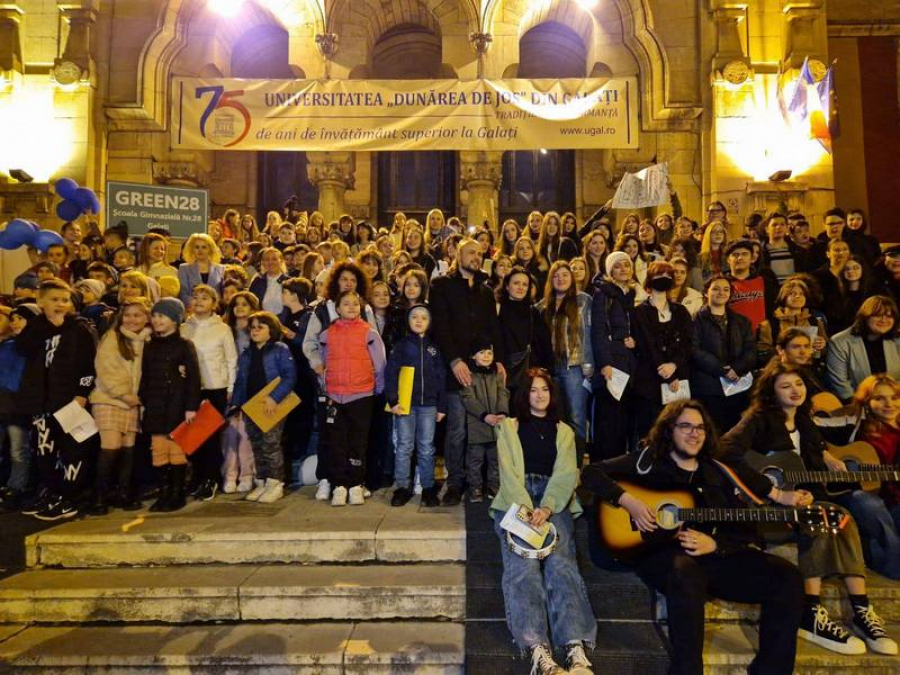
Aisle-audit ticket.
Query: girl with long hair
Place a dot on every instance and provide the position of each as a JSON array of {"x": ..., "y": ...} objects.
[
  {"x": 525, "y": 335},
  {"x": 509, "y": 235},
  {"x": 552, "y": 245},
  {"x": 712, "y": 250},
  {"x": 414, "y": 244},
  {"x": 525, "y": 255},
  {"x": 631, "y": 244},
  {"x": 595, "y": 247}
]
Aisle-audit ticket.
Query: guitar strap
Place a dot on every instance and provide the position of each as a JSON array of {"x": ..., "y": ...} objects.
[{"x": 738, "y": 484}]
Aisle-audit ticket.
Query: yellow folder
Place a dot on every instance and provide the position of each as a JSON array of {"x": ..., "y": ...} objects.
[
  {"x": 404, "y": 389},
  {"x": 254, "y": 407}
]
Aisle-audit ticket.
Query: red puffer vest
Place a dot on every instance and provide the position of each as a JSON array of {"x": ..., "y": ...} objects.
[{"x": 348, "y": 366}]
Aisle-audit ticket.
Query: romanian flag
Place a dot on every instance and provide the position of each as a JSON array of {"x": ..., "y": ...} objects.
[
  {"x": 812, "y": 107},
  {"x": 828, "y": 101}
]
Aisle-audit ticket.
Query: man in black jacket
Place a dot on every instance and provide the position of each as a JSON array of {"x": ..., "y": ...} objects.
[
  {"x": 462, "y": 307},
  {"x": 709, "y": 560},
  {"x": 59, "y": 348}
]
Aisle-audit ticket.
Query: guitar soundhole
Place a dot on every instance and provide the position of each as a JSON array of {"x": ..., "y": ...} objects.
[
  {"x": 852, "y": 464},
  {"x": 667, "y": 516}
]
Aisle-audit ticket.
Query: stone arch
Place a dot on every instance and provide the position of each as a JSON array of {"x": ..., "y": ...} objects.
[
  {"x": 627, "y": 21},
  {"x": 379, "y": 16},
  {"x": 551, "y": 49},
  {"x": 149, "y": 109},
  {"x": 407, "y": 52}
]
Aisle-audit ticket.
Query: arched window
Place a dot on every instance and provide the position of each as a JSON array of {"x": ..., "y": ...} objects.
[
  {"x": 543, "y": 179},
  {"x": 262, "y": 53},
  {"x": 412, "y": 182}
]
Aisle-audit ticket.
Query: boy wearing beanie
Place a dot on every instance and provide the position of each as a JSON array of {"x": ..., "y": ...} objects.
[
  {"x": 415, "y": 430},
  {"x": 97, "y": 312},
  {"x": 170, "y": 394},
  {"x": 59, "y": 349},
  {"x": 487, "y": 404}
]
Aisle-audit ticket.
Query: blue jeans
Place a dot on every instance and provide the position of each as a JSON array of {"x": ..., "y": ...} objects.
[
  {"x": 575, "y": 397},
  {"x": 415, "y": 432},
  {"x": 878, "y": 530},
  {"x": 550, "y": 591},
  {"x": 19, "y": 456}
]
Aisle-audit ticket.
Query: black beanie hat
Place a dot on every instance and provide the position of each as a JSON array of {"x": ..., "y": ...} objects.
[{"x": 480, "y": 343}]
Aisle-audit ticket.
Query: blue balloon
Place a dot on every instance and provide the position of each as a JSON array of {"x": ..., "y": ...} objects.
[
  {"x": 34, "y": 226},
  {"x": 19, "y": 231},
  {"x": 45, "y": 239},
  {"x": 84, "y": 198},
  {"x": 95, "y": 203},
  {"x": 6, "y": 243},
  {"x": 68, "y": 210},
  {"x": 65, "y": 188}
]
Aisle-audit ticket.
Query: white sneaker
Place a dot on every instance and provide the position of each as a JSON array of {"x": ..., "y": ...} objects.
[
  {"x": 230, "y": 486},
  {"x": 339, "y": 496},
  {"x": 542, "y": 662},
  {"x": 367, "y": 492},
  {"x": 245, "y": 484},
  {"x": 259, "y": 486},
  {"x": 417, "y": 488},
  {"x": 357, "y": 496},
  {"x": 273, "y": 492},
  {"x": 576, "y": 660},
  {"x": 323, "y": 491}
]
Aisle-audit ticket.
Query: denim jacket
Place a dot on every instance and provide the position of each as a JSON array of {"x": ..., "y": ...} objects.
[{"x": 277, "y": 362}]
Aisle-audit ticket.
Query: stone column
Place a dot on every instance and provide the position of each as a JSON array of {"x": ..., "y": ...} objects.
[
  {"x": 10, "y": 40},
  {"x": 332, "y": 174},
  {"x": 480, "y": 175}
]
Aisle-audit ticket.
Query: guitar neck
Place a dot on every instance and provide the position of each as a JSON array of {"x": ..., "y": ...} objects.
[
  {"x": 863, "y": 476},
  {"x": 712, "y": 515}
]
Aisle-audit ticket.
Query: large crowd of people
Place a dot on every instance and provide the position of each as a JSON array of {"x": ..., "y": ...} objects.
[{"x": 639, "y": 349}]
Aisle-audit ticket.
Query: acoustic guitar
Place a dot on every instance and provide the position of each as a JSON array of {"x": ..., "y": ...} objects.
[
  {"x": 619, "y": 535},
  {"x": 860, "y": 456},
  {"x": 786, "y": 469}
]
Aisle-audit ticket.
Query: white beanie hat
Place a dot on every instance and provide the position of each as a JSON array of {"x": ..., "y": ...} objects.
[{"x": 613, "y": 258}]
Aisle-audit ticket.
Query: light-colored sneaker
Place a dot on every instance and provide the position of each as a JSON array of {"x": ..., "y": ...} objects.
[
  {"x": 273, "y": 492},
  {"x": 542, "y": 662},
  {"x": 259, "y": 486},
  {"x": 366, "y": 492},
  {"x": 323, "y": 491},
  {"x": 339, "y": 496},
  {"x": 245, "y": 484},
  {"x": 357, "y": 496},
  {"x": 577, "y": 662},
  {"x": 870, "y": 627},
  {"x": 229, "y": 487}
]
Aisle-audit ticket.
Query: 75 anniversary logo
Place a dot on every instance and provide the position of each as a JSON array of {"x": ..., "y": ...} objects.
[{"x": 225, "y": 121}]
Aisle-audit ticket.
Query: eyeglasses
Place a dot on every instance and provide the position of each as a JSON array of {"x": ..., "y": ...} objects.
[{"x": 688, "y": 428}]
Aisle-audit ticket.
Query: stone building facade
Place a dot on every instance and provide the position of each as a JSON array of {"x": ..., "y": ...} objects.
[{"x": 86, "y": 86}]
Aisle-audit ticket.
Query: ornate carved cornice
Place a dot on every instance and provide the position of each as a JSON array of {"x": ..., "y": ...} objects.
[
  {"x": 327, "y": 44},
  {"x": 484, "y": 167},
  {"x": 481, "y": 42},
  {"x": 335, "y": 167},
  {"x": 187, "y": 174}
]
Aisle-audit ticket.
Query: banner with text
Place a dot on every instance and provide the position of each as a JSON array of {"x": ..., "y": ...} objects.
[
  {"x": 231, "y": 114},
  {"x": 181, "y": 211}
]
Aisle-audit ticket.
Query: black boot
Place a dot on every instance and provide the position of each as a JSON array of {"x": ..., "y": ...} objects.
[
  {"x": 165, "y": 489},
  {"x": 125, "y": 493},
  {"x": 176, "y": 486},
  {"x": 98, "y": 504}
]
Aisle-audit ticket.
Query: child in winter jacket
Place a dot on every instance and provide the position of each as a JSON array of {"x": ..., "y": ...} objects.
[
  {"x": 12, "y": 426},
  {"x": 59, "y": 349},
  {"x": 415, "y": 431},
  {"x": 217, "y": 357},
  {"x": 115, "y": 404},
  {"x": 266, "y": 358},
  {"x": 487, "y": 404},
  {"x": 353, "y": 354},
  {"x": 97, "y": 312},
  {"x": 295, "y": 315},
  {"x": 170, "y": 393}
]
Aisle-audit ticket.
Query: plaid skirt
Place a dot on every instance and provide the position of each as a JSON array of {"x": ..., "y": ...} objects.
[{"x": 113, "y": 418}]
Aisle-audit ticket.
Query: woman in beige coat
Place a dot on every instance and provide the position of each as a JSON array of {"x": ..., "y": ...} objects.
[{"x": 115, "y": 404}]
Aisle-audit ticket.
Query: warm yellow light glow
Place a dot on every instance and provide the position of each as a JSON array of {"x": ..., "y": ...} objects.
[
  {"x": 759, "y": 141},
  {"x": 32, "y": 137},
  {"x": 586, "y": 4},
  {"x": 226, "y": 8}
]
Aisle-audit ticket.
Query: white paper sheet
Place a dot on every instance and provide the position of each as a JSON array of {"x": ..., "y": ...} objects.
[
  {"x": 684, "y": 391},
  {"x": 617, "y": 383},
  {"x": 648, "y": 187},
  {"x": 731, "y": 388},
  {"x": 76, "y": 421}
]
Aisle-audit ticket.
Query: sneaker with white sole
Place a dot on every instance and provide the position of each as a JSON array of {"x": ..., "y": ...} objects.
[
  {"x": 245, "y": 484},
  {"x": 229, "y": 487},
  {"x": 818, "y": 628},
  {"x": 870, "y": 627},
  {"x": 259, "y": 486},
  {"x": 323, "y": 491},
  {"x": 339, "y": 496},
  {"x": 577, "y": 662},
  {"x": 357, "y": 496},
  {"x": 273, "y": 492},
  {"x": 542, "y": 662}
]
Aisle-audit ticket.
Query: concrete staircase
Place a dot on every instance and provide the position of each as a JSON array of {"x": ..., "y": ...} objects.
[
  {"x": 233, "y": 587},
  {"x": 631, "y": 636}
]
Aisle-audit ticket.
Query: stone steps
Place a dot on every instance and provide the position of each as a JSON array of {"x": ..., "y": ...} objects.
[
  {"x": 235, "y": 593},
  {"x": 338, "y": 648},
  {"x": 638, "y": 648},
  {"x": 296, "y": 529}
]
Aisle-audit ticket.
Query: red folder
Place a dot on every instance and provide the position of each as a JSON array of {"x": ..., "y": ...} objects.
[{"x": 191, "y": 435}]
